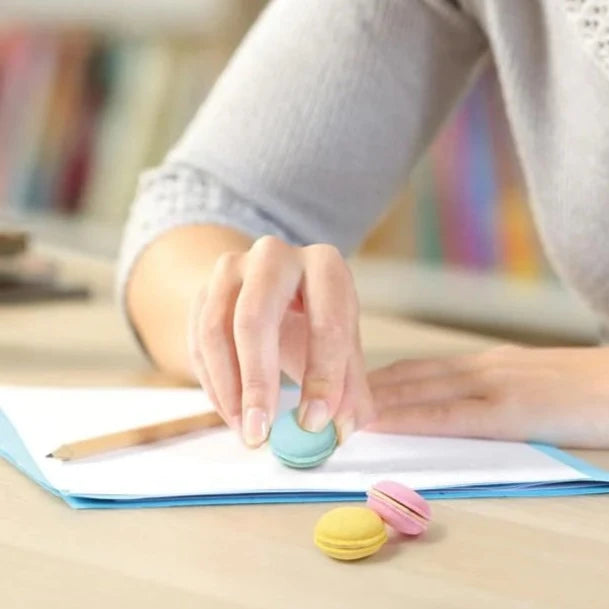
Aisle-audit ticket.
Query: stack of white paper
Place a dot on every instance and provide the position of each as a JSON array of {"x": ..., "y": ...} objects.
[{"x": 214, "y": 466}]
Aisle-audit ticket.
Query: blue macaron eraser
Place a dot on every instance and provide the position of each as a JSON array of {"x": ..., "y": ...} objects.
[{"x": 298, "y": 448}]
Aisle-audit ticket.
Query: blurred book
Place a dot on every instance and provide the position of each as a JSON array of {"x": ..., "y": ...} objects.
[
  {"x": 28, "y": 277},
  {"x": 466, "y": 201},
  {"x": 12, "y": 243},
  {"x": 82, "y": 113}
]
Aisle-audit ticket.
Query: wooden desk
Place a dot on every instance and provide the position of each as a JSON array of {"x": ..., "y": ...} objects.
[{"x": 533, "y": 553}]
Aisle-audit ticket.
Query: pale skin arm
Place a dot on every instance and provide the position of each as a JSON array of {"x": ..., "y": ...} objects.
[{"x": 170, "y": 274}]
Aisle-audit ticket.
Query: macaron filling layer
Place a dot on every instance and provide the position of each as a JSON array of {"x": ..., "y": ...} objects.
[
  {"x": 402, "y": 508},
  {"x": 300, "y": 462},
  {"x": 352, "y": 544},
  {"x": 351, "y": 549}
]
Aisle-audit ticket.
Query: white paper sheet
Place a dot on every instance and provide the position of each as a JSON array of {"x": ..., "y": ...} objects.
[{"x": 216, "y": 462}]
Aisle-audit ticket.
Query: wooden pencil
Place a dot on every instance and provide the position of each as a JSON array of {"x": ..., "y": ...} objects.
[{"x": 136, "y": 436}]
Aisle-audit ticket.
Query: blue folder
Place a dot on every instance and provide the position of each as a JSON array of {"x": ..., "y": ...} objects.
[{"x": 13, "y": 450}]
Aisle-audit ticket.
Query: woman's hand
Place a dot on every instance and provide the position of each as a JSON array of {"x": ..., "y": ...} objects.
[
  {"x": 558, "y": 396},
  {"x": 280, "y": 308}
]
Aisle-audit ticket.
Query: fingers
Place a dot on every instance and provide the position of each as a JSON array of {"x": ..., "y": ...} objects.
[
  {"x": 473, "y": 418},
  {"x": 357, "y": 408},
  {"x": 409, "y": 370},
  {"x": 235, "y": 333},
  {"x": 472, "y": 395},
  {"x": 278, "y": 307},
  {"x": 198, "y": 368},
  {"x": 271, "y": 278},
  {"x": 194, "y": 350},
  {"x": 330, "y": 305},
  {"x": 434, "y": 389},
  {"x": 220, "y": 368}
]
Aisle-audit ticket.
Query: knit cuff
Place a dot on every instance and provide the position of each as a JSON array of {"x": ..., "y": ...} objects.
[{"x": 180, "y": 195}]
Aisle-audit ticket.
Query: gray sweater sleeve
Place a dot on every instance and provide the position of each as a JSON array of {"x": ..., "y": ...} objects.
[{"x": 318, "y": 117}]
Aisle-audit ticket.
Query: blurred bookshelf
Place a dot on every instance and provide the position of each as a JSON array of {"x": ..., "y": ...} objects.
[
  {"x": 199, "y": 17},
  {"x": 91, "y": 94}
]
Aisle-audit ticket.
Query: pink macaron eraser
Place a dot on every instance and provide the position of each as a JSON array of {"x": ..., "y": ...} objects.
[{"x": 400, "y": 507}]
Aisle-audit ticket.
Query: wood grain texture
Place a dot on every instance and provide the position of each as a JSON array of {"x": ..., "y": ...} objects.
[{"x": 514, "y": 553}]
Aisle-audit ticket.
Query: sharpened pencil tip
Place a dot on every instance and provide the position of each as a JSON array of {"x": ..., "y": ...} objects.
[{"x": 49, "y": 455}]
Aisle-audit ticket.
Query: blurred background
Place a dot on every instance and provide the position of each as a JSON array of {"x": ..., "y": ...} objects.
[{"x": 92, "y": 93}]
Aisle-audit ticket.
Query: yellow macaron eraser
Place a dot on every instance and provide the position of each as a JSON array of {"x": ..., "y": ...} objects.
[{"x": 349, "y": 533}]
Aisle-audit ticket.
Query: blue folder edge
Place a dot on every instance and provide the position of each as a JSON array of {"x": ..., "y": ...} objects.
[{"x": 13, "y": 450}]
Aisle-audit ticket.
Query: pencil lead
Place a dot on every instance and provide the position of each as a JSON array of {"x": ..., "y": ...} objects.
[{"x": 49, "y": 455}]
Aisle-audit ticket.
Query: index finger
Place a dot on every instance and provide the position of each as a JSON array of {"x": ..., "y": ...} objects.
[{"x": 270, "y": 280}]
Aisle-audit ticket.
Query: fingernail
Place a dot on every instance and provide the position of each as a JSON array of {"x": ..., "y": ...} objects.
[
  {"x": 314, "y": 416},
  {"x": 255, "y": 426},
  {"x": 345, "y": 430}
]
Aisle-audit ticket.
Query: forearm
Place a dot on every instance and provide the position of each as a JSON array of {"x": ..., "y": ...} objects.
[{"x": 164, "y": 281}]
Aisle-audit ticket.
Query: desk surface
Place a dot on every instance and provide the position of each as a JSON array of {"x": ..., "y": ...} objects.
[{"x": 533, "y": 553}]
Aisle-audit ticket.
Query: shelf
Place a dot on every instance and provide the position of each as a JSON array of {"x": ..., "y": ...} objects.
[
  {"x": 94, "y": 239},
  {"x": 201, "y": 16},
  {"x": 393, "y": 286}
]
